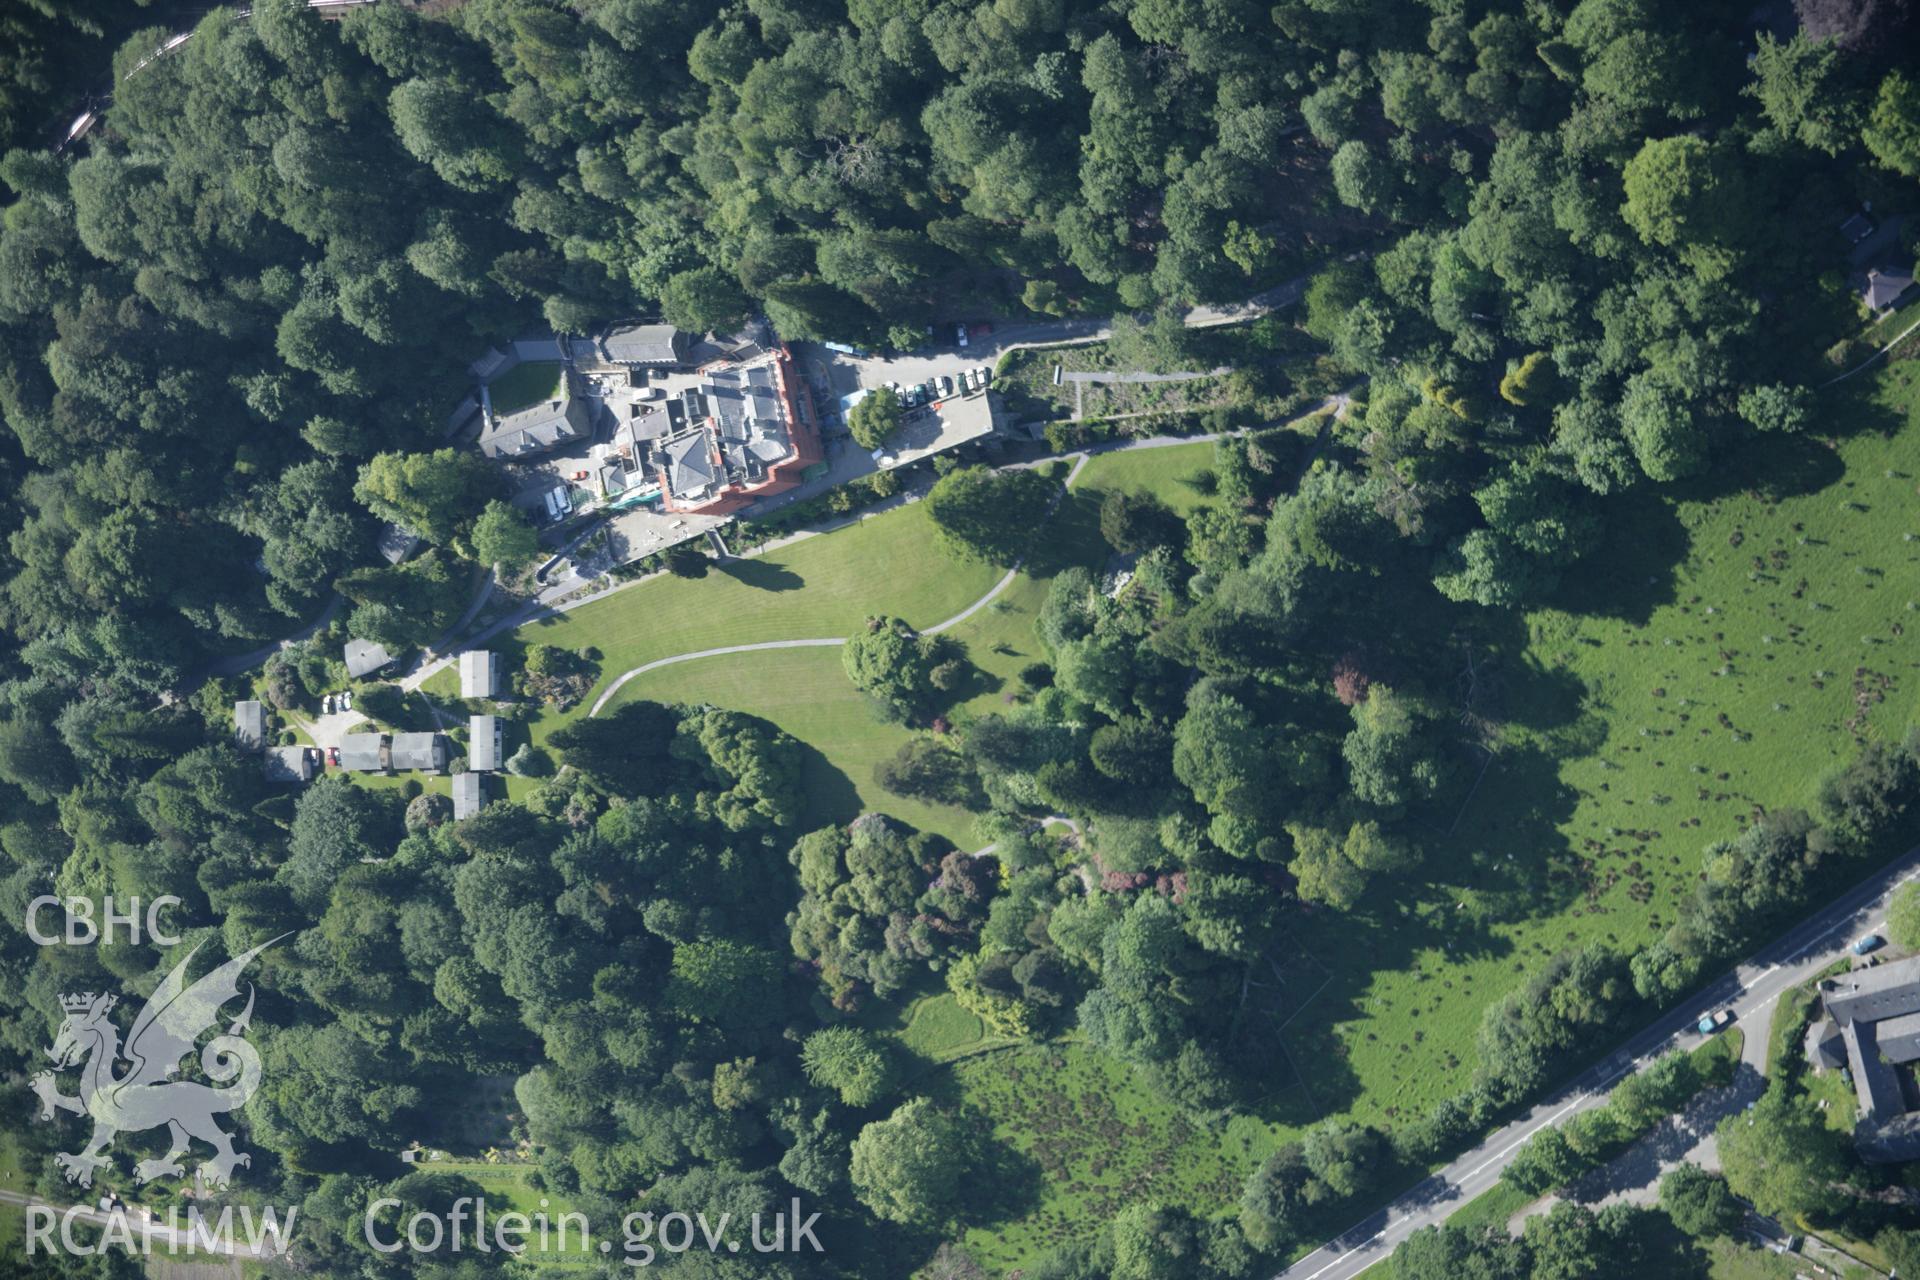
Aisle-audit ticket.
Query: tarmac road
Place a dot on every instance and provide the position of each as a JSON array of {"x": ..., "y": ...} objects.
[{"x": 1750, "y": 990}]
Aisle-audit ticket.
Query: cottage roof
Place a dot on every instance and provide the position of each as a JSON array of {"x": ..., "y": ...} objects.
[
  {"x": 483, "y": 742},
  {"x": 249, "y": 725},
  {"x": 651, "y": 344},
  {"x": 364, "y": 657},
  {"x": 289, "y": 764},
  {"x": 469, "y": 795},
  {"x": 479, "y": 673},
  {"x": 363, "y": 752},
  {"x": 423, "y": 751}
]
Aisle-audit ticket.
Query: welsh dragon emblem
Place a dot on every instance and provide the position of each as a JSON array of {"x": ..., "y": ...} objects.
[{"x": 143, "y": 1096}]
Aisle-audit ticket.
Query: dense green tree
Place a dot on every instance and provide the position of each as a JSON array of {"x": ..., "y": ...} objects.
[
  {"x": 1781, "y": 1157},
  {"x": 1807, "y": 89},
  {"x": 989, "y": 515},
  {"x": 1892, "y": 131},
  {"x": 501, "y": 536},
  {"x": 875, "y": 417},
  {"x": 1135, "y": 522},
  {"x": 909, "y": 1167},
  {"x": 849, "y": 1061},
  {"x": 1700, "y": 1203},
  {"x": 1545, "y": 1162},
  {"x": 435, "y": 495}
]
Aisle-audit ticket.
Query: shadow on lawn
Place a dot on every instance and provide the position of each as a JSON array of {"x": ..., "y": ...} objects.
[
  {"x": 762, "y": 575},
  {"x": 831, "y": 796}
]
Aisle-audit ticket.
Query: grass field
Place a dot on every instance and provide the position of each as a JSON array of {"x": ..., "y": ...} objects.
[
  {"x": 524, "y": 385},
  {"x": 939, "y": 1030},
  {"x": 1728, "y": 646},
  {"x": 820, "y": 586},
  {"x": 13, "y": 1218},
  {"x": 1493, "y": 1207},
  {"x": 807, "y": 693},
  {"x": 509, "y": 1187},
  {"x": 1723, "y": 652},
  {"x": 823, "y": 586}
]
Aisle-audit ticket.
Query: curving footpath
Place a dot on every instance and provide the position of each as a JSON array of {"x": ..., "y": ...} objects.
[{"x": 834, "y": 642}]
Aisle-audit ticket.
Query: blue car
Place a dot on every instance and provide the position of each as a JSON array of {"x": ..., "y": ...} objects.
[{"x": 1872, "y": 942}]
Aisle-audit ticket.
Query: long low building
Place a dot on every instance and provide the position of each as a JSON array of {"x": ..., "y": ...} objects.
[
  {"x": 249, "y": 725},
  {"x": 483, "y": 743},
  {"x": 479, "y": 673},
  {"x": 469, "y": 795}
]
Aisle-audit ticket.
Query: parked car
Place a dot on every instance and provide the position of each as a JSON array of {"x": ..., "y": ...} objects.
[
  {"x": 326, "y": 705},
  {"x": 946, "y": 385},
  {"x": 982, "y": 330},
  {"x": 963, "y": 336},
  {"x": 984, "y": 374},
  {"x": 1713, "y": 1021},
  {"x": 346, "y": 699},
  {"x": 1872, "y": 942},
  {"x": 333, "y": 756}
]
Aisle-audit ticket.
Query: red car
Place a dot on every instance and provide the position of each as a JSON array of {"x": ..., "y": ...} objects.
[{"x": 333, "y": 756}]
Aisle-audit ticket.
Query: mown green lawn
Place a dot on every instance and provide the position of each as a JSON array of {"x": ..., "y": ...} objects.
[
  {"x": 509, "y": 1188},
  {"x": 13, "y": 1217},
  {"x": 820, "y": 586},
  {"x": 1719, "y": 656},
  {"x": 940, "y": 1030},
  {"x": 807, "y": 693},
  {"x": 1737, "y": 1260},
  {"x": 524, "y": 385}
]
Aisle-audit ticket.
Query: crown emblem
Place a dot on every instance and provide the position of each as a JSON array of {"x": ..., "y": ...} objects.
[{"x": 83, "y": 1002}]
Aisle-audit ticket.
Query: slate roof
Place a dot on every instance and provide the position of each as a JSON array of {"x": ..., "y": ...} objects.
[
  {"x": 537, "y": 428},
  {"x": 1869, "y": 995},
  {"x": 364, "y": 657},
  {"x": 469, "y": 795},
  {"x": 492, "y": 364},
  {"x": 423, "y": 751},
  {"x": 538, "y": 349},
  {"x": 396, "y": 543},
  {"x": 1899, "y": 1038},
  {"x": 249, "y": 725},
  {"x": 689, "y": 461},
  {"x": 289, "y": 764},
  {"x": 1877, "y": 1011},
  {"x": 1884, "y": 285},
  {"x": 649, "y": 344},
  {"x": 1825, "y": 1048},
  {"x": 363, "y": 752},
  {"x": 479, "y": 673},
  {"x": 1873, "y": 1080},
  {"x": 483, "y": 742}
]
